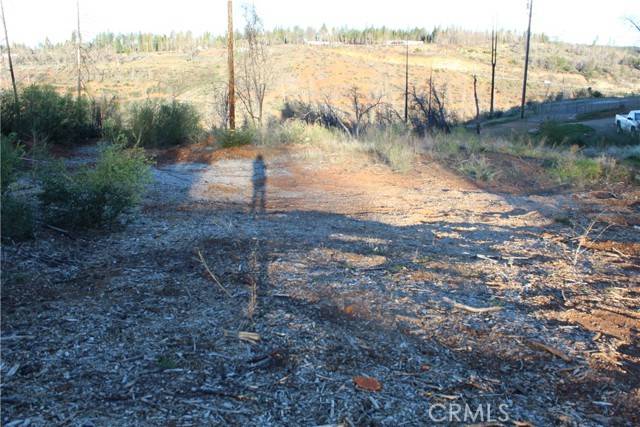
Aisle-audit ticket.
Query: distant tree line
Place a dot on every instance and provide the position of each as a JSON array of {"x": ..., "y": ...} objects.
[{"x": 187, "y": 41}]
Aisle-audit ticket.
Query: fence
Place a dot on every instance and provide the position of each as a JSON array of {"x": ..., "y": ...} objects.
[{"x": 580, "y": 106}]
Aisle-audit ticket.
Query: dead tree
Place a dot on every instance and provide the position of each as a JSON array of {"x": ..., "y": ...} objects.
[
  {"x": 13, "y": 77},
  {"x": 386, "y": 115},
  {"x": 78, "y": 47},
  {"x": 526, "y": 62},
  {"x": 634, "y": 23},
  {"x": 406, "y": 84},
  {"x": 331, "y": 116},
  {"x": 361, "y": 108},
  {"x": 494, "y": 61},
  {"x": 221, "y": 105},
  {"x": 230, "y": 64},
  {"x": 256, "y": 71},
  {"x": 429, "y": 112},
  {"x": 475, "y": 95}
]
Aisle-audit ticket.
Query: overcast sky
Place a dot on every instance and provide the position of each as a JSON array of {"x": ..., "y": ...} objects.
[{"x": 579, "y": 21}]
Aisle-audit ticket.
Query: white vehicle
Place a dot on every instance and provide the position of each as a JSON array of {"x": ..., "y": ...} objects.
[{"x": 628, "y": 123}]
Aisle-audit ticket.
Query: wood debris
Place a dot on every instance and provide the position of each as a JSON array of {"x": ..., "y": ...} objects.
[{"x": 477, "y": 310}]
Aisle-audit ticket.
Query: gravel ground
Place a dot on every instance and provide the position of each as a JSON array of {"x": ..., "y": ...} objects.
[{"x": 444, "y": 295}]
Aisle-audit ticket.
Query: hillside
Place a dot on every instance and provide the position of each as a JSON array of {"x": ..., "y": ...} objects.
[{"x": 316, "y": 72}]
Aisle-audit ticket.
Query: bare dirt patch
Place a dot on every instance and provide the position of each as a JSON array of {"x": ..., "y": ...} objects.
[{"x": 350, "y": 272}]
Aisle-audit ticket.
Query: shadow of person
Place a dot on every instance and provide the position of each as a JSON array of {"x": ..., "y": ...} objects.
[{"x": 259, "y": 181}]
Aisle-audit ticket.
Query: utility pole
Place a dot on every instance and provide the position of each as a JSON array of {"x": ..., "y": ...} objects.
[
  {"x": 526, "y": 62},
  {"x": 494, "y": 61},
  {"x": 406, "y": 82},
  {"x": 232, "y": 91},
  {"x": 13, "y": 77},
  {"x": 79, "y": 40}
]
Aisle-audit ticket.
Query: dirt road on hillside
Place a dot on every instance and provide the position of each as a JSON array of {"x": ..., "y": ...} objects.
[{"x": 441, "y": 292}]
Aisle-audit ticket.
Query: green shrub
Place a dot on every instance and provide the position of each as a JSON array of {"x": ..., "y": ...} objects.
[
  {"x": 295, "y": 131},
  {"x": 159, "y": 124},
  {"x": 292, "y": 132},
  {"x": 235, "y": 138},
  {"x": 16, "y": 218},
  {"x": 46, "y": 114},
  {"x": 569, "y": 134},
  {"x": 93, "y": 197},
  {"x": 10, "y": 159},
  {"x": 478, "y": 168},
  {"x": 113, "y": 130},
  {"x": 577, "y": 171}
]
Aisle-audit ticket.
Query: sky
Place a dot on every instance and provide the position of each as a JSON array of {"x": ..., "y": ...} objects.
[{"x": 575, "y": 21}]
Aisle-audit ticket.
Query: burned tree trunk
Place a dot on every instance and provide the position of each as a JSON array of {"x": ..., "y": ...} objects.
[
  {"x": 475, "y": 95},
  {"x": 78, "y": 47},
  {"x": 13, "y": 77},
  {"x": 406, "y": 84},
  {"x": 494, "y": 61},
  {"x": 526, "y": 62},
  {"x": 230, "y": 64}
]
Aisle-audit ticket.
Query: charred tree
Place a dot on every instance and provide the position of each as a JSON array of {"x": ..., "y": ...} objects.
[
  {"x": 78, "y": 47},
  {"x": 526, "y": 63},
  {"x": 230, "y": 64},
  {"x": 13, "y": 77},
  {"x": 406, "y": 84},
  {"x": 494, "y": 61},
  {"x": 475, "y": 95}
]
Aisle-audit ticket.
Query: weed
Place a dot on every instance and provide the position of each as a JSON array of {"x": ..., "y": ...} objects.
[
  {"x": 577, "y": 171},
  {"x": 166, "y": 362},
  {"x": 477, "y": 167},
  {"x": 396, "y": 150}
]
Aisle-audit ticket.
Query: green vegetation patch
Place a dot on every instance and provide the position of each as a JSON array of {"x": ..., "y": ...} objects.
[
  {"x": 568, "y": 134},
  {"x": 44, "y": 113},
  {"x": 94, "y": 196}
]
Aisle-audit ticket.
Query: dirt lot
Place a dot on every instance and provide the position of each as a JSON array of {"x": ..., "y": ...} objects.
[{"x": 441, "y": 291}]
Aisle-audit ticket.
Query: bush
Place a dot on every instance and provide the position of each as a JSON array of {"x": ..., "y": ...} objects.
[
  {"x": 95, "y": 196},
  {"x": 477, "y": 167},
  {"x": 566, "y": 133},
  {"x": 296, "y": 132},
  {"x": 393, "y": 148},
  {"x": 16, "y": 217},
  {"x": 46, "y": 114},
  {"x": 10, "y": 159},
  {"x": 578, "y": 171},
  {"x": 235, "y": 138},
  {"x": 154, "y": 124}
]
